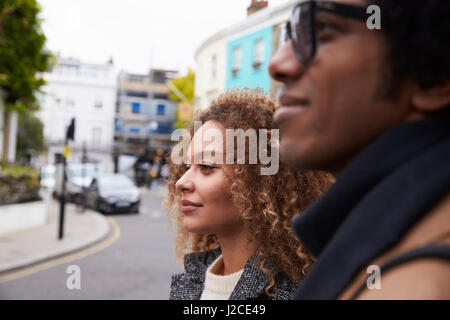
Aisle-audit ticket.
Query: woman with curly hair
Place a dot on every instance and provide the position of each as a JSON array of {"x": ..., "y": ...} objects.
[{"x": 234, "y": 224}]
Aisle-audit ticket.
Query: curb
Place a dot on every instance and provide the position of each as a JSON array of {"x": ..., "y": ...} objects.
[{"x": 105, "y": 231}]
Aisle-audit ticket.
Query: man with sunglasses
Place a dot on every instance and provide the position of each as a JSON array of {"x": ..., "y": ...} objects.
[{"x": 373, "y": 107}]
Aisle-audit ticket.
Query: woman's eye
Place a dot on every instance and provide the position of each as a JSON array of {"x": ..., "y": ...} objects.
[
  {"x": 205, "y": 167},
  {"x": 186, "y": 167}
]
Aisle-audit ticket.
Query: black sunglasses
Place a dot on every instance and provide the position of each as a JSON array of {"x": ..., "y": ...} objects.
[{"x": 301, "y": 27}]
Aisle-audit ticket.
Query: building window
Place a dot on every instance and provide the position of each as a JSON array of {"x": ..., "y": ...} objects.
[
  {"x": 214, "y": 67},
  {"x": 136, "y": 78},
  {"x": 70, "y": 102},
  {"x": 137, "y": 94},
  {"x": 164, "y": 127},
  {"x": 160, "y": 110},
  {"x": 236, "y": 64},
  {"x": 135, "y": 107},
  {"x": 96, "y": 136},
  {"x": 259, "y": 54},
  {"x": 163, "y": 96},
  {"x": 98, "y": 104},
  {"x": 117, "y": 125}
]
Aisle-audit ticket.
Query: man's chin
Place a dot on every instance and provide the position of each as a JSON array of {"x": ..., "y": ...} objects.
[
  {"x": 299, "y": 157},
  {"x": 290, "y": 153}
]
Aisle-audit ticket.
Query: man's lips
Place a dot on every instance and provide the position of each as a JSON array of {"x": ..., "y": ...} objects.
[
  {"x": 189, "y": 206},
  {"x": 286, "y": 100},
  {"x": 290, "y": 108}
]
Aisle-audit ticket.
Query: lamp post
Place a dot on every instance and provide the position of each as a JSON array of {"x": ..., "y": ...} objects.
[
  {"x": 115, "y": 154},
  {"x": 69, "y": 136},
  {"x": 84, "y": 160}
]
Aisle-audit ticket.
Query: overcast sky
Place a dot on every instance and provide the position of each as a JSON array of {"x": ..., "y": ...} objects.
[{"x": 138, "y": 34}]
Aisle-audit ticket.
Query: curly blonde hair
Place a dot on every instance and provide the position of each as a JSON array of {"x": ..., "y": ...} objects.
[{"x": 267, "y": 203}]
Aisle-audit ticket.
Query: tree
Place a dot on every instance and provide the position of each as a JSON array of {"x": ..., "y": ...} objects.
[
  {"x": 30, "y": 137},
  {"x": 185, "y": 85},
  {"x": 22, "y": 53},
  {"x": 22, "y": 58},
  {"x": 183, "y": 91}
]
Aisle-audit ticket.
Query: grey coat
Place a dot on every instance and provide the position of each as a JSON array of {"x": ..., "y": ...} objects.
[{"x": 251, "y": 285}]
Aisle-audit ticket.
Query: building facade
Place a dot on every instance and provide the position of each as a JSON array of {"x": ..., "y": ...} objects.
[
  {"x": 144, "y": 115},
  {"x": 246, "y": 48},
  {"x": 86, "y": 92},
  {"x": 210, "y": 75},
  {"x": 247, "y": 60}
]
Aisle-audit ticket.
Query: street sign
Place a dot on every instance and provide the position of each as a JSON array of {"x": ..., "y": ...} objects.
[
  {"x": 185, "y": 111},
  {"x": 66, "y": 151}
]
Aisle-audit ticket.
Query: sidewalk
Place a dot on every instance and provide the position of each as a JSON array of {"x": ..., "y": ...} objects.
[{"x": 24, "y": 248}]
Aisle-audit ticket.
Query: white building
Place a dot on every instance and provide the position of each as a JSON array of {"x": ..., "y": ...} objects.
[
  {"x": 211, "y": 59},
  {"x": 86, "y": 92}
]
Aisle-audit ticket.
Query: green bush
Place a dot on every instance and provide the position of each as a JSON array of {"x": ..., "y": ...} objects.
[{"x": 18, "y": 184}]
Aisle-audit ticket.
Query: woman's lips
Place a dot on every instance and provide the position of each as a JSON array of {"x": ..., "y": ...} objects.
[
  {"x": 189, "y": 206},
  {"x": 186, "y": 209}
]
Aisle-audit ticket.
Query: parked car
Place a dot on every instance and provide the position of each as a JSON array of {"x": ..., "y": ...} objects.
[
  {"x": 110, "y": 193},
  {"x": 47, "y": 176},
  {"x": 79, "y": 176}
]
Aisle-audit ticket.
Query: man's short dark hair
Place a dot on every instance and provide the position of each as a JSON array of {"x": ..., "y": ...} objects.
[{"x": 418, "y": 34}]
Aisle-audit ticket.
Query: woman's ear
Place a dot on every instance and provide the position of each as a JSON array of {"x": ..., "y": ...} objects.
[{"x": 432, "y": 99}]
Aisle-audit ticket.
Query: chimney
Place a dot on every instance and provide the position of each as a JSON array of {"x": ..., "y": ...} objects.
[{"x": 256, "y": 5}]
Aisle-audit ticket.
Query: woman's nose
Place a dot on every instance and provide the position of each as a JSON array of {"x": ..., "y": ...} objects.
[
  {"x": 185, "y": 183},
  {"x": 284, "y": 65}
]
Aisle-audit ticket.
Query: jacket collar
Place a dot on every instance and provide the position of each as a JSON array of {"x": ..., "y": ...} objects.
[
  {"x": 250, "y": 286},
  {"x": 196, "y": 263},
  {"x": 252, "y": 283}
]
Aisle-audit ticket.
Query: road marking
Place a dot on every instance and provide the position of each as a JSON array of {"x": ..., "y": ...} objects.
[
  {"x": 13, "y": 275},
  {"x": 155, "y": 214}
]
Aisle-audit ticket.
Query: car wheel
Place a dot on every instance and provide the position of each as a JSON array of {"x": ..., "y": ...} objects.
[
  {"x": 97, "y": 207},
  {"x": 75, "y": 198}
]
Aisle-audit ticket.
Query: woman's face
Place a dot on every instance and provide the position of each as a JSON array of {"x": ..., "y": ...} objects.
[{"x": 205, "y": 192}]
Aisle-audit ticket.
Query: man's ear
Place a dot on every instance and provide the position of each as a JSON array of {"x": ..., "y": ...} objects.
[{"x": 432, "y": 99}]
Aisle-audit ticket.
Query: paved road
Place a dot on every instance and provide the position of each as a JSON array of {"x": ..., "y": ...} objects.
[{"x": 137, "y": 266}]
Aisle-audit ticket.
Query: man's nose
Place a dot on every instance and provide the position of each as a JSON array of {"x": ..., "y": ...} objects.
[
  {"x": 185, "y": 183},
  {"x": 284, "y": 65}
]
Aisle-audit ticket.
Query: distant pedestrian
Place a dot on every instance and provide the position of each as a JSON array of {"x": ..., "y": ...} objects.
[
  {"x": 165, "y": 171},
  {"x": 148, "y": 178},
  {"x": 234, "y": 223}
]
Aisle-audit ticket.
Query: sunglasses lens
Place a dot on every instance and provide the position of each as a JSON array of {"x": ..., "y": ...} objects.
[{"x": 302, "y": 35}]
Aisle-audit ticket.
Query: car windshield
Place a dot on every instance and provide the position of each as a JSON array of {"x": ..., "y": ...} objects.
[
  {"x": 47, "y": 174},
  {"x": 115, "y": 182},
  {"x": 88, "y": 171}
]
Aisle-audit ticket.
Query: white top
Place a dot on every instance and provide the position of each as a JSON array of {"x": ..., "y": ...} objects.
[{"x": 219, "y": 287}]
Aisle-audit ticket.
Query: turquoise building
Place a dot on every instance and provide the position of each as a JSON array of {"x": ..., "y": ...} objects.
[{"x": 247, "y": 60}]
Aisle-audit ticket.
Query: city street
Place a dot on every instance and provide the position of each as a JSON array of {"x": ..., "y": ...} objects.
[{"x": 138, "y": 265}]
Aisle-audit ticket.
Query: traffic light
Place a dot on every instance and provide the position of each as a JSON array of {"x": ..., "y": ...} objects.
[{"x": 70, "y": 134}]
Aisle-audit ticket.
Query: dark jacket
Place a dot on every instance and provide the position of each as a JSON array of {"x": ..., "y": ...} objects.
[
  {"x": 376, "y": 207},
  {"x": 251, "y": 285}
]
